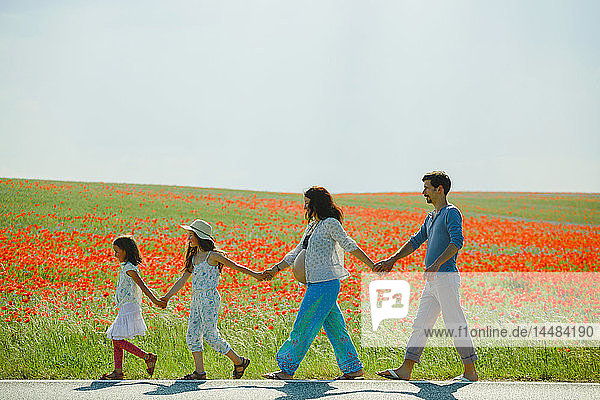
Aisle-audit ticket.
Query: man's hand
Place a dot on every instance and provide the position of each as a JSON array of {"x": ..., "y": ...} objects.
[{"x": 430, "y": 272}]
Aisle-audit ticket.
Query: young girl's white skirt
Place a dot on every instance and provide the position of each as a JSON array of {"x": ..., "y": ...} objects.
[{"x": 129, "y": 323}]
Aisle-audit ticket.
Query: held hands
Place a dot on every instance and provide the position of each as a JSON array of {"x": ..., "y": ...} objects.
[
  {"x": 384, "y": 266},
  {"x": 162, "y": 302},
  {"x": 268, "y": 274},
  {"x": 260, "y": 276}
]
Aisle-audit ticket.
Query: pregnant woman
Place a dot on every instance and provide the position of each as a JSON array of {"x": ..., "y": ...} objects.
[{"x": 321, "y": 250}]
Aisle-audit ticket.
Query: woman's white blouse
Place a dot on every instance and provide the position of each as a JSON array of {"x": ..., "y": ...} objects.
[
  {"x": 127, "y": 290},
  {"x": 324, "y": 256}
]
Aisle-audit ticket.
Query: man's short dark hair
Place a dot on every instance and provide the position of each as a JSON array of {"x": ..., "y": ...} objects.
[{"x": 438, "y": 178}]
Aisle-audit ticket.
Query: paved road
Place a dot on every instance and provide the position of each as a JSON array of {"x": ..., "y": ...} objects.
[{"x": 267, "y": 390}]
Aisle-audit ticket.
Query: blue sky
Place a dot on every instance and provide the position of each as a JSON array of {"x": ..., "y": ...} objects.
[{"x": 358, "y": 96}]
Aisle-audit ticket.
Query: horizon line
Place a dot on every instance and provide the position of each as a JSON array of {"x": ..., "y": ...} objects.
[{"x": 285, "y": 192}]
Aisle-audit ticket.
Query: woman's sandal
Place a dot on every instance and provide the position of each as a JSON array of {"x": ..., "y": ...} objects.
[
  {"x": 275, "y": 376},
  {"x": 195, "y": 376},
  {"x": 237, "y": 372},
  {"x": 113, "y": 376},
  {"x": 150, "y": 363},
  {"x": 348, "y": 377}
]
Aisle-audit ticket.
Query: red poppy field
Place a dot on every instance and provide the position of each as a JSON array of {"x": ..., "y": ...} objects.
[{"x": 59, "y": 274}]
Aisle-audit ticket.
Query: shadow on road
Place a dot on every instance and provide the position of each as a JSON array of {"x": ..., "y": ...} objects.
[
  {"x": 177, "y": 387},
  {"x": 292, "y": 390},
  {"x": 191, "y": 386},
  {"x": 433, "y": 391},
  {"x": 95, "y": 385},
  {"x": 316, "y": 390},
  {"x": 299, "y": 390}
]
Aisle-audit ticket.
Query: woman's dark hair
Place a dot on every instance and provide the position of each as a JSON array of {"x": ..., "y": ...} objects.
[
  {"x": 321, "y": 205},
  {"x": 191, "y": 251},
  {"x": 127, "y": 244}
]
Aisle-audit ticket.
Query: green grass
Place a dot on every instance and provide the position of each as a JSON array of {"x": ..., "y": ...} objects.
[
  {"x": 49, "y": 349},
  {"x": 554, "y": 207}
]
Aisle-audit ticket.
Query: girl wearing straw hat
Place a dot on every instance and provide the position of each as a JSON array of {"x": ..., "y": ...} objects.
[{"x": 203, "y": 263}]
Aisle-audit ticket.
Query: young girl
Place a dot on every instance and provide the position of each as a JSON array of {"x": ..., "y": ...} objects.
[
  {"x": 203, "y": 263},
  {"x": 128, "y": 298}
]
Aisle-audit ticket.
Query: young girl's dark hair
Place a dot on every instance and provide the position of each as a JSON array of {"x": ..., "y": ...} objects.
[
  {"x": 321, "y": 205},
  {"x": 205, "y": 245},
  {"x": 132, "y": 253}
]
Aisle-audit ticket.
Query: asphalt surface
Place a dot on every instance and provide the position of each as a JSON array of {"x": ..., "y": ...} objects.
[{"x": 267, "y": 390}]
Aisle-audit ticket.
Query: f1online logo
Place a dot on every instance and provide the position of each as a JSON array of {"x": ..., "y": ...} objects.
[{"x": 389, "y": 300}]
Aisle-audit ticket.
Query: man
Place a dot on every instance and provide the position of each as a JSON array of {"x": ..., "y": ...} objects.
[{"x": 442, "y": 230}]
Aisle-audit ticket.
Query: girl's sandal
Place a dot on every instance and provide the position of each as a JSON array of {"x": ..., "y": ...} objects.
[
  {"x": 195, "y": 376},
  {"x": 150, "y": 363},
  {"x": 237, "y": 372},
  {"x": 113, "y": 376}
]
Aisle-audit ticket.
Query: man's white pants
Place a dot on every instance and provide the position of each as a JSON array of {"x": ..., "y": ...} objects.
[{"x": 441, "y": 295}]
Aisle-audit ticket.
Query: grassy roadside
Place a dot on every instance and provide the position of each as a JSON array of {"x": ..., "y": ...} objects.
[{"x": 49, "y": 349}]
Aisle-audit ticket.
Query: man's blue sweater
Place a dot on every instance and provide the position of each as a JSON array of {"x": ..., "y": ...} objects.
[{"x": 440, "y": 230}]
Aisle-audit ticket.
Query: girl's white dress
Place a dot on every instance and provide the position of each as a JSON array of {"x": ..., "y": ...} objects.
[
  {"x": 204, "y": 310},
  {"x": 128, "y": 297}
]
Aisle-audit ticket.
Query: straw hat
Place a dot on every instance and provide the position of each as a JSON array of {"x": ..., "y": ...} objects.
[{"x": 201, "y": 228}]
